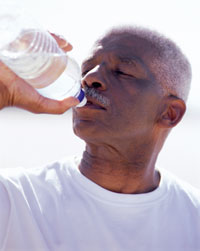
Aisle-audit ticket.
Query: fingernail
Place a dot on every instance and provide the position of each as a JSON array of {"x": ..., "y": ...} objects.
[{"x": 61, "y": 37}]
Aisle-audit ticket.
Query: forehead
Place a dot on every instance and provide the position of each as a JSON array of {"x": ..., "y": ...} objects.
[
  {"x": 124, "y": 44},
  {"x": 124, "y": 48}
]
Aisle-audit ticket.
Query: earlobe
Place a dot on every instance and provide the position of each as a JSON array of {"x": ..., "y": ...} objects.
[{"x": 172, "y": 113}]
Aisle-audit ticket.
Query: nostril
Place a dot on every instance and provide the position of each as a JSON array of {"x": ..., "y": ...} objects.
[{"x": 96, "y": 84}]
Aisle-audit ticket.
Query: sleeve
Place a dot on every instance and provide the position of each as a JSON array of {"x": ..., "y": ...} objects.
[{"x": 5, "y": 207}]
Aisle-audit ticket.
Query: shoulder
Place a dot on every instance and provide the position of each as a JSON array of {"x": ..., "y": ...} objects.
[
  {"x": 32, "y": 190},
  {"x": 26, "y": 183},
  {"x": 183, "y": 192},
  {"x": 45, "y": 172}
]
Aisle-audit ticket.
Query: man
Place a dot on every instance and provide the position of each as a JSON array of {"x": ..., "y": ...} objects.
[{"x": 113, "y": 198}]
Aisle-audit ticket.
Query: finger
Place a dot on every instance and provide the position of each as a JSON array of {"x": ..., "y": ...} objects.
[
  {"x": 46, "y": 105},
  {"x": 62, "y": 42},
  {"x": 67, "y": 47},
  {"x": 51, "y": 106},
  {"x": 27, "y": 97}
]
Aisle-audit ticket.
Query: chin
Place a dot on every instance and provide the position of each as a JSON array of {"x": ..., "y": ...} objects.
[
  {"x": 84, "y": 129},
  {"x": 88, "y": 132}
]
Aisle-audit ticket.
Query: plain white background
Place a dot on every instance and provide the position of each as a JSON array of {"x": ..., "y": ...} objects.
[{"x": 30, "y": 140}]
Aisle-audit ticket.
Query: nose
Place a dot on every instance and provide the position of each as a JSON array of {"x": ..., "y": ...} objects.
[{"x": 94, "y": 79}]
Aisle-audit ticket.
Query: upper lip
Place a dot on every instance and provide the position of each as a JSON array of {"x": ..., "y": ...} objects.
[{"x": 95, "y": 102}]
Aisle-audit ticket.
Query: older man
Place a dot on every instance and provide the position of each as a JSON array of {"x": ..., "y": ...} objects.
[{"x": 113, "y": 198}]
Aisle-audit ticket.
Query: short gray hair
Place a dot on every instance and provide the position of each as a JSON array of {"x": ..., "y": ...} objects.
[{"x": 171, "y": 67}]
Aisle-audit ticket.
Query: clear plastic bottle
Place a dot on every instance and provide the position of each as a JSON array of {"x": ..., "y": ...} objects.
[{"x": 34, "y": 55}]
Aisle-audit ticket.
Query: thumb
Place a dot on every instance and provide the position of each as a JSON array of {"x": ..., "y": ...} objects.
[{"x": 50, "y": 106}]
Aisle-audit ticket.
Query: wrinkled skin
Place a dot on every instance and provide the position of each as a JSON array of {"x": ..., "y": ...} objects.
[{"x": 123, "y": 139}]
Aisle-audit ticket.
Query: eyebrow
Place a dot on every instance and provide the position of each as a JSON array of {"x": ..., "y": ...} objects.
[
  {"x": 87, "y": 60},
  {"x": 124, "y": 59},
  {"x": 136, "y": 62},
  {"x": 131, "y": 61},
  {"x": 127, "y": 60}
]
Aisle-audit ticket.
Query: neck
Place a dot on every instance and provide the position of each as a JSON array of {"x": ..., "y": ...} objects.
[{"x": 118, "y": 172}]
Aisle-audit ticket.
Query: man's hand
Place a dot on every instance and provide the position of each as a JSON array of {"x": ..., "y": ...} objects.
[{"x": 14, "y": 91}]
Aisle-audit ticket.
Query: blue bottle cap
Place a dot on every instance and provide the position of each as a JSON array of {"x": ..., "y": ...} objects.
[{"x": 82, "y": 98}]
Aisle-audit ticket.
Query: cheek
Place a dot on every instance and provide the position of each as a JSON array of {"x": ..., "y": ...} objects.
[{"x": 136, "y": 111}]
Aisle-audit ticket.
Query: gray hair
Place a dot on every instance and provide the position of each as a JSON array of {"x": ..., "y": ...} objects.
[{"x": 169, "y": 65}]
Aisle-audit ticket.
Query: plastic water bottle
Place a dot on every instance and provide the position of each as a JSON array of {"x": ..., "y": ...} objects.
[{"x": 34, "y": 55}]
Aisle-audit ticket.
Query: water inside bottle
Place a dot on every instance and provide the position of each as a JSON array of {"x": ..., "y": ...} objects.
[{"x": 34, "y": 56}]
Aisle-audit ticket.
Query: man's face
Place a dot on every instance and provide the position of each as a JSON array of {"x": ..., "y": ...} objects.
[{"x": 126, "y": 104}]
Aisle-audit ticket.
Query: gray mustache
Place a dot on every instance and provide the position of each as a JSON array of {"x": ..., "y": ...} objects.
[{"x": 93, "y": 93}]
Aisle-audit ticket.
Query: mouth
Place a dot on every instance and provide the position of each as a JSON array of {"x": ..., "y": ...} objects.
[{"x": 94, "y": 104}]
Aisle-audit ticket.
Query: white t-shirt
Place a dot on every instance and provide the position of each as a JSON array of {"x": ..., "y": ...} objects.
[{"x": 57, "y": 208}]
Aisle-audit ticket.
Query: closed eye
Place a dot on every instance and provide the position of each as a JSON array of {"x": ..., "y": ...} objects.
[
  {"x": 84, "y": 73},
  {"x": 122, "y": 73}
]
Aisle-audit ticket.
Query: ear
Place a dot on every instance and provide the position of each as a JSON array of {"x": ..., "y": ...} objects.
[{"x": 172, "y": 112}]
